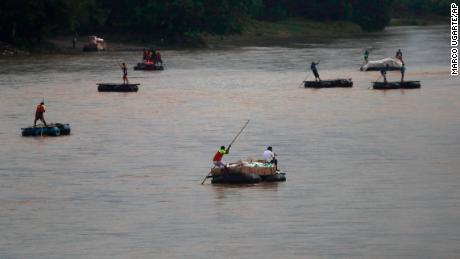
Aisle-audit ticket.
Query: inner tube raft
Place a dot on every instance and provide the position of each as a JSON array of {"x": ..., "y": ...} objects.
[
  {"x": 246, "y": 173},
  {"x": 54, "y": 129},
  {"x": 64, "y": 128},
  {"x": 236, "y": 178},
  {"x": 396, "y": 85},
  {"x": 329, "y": 83},
  {"x": 148, "y": 66},
  {"x": 241, "y": 178},
  {"x": 114, "y": 87}
]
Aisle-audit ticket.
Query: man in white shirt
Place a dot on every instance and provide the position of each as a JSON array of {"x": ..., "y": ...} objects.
[{"x": 270, "y": 157}]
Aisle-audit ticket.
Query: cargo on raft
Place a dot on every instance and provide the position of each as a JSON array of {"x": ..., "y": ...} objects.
[
  {"x": 329, "y": 83},
  {"x": 148, "y": 65},
  {"x": 393, "y": 64},
  {"x": 246, "y": 172},
  {"x": 114, "y": 87},
  {"x": 94, "y": 44},
  {"x": 53, "y": 129},
  {"x": 396, "y": 85}
]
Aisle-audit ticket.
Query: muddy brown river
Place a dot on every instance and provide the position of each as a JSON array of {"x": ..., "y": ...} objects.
[{"x": 370, "y": 174}]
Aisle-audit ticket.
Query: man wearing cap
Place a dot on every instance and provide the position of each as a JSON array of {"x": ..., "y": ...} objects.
[
  {"x": 39, "y": 114},
  {"x": 217, "y": 160}
]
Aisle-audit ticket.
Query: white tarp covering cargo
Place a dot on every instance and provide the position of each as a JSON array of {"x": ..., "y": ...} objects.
[{"x": 393, "y": 64}]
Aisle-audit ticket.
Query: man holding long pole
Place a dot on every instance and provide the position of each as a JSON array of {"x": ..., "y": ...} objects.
[
  {"x": 217, "y": 160},
  {"x": 39, "y": 113}
]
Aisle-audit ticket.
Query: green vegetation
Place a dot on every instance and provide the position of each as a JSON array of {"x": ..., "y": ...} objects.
[
  {"x": 370, "y": 15},
  {"x": 421, "y": 12},
  {"x": 26, "y": 22},
  {"x": 412, "y": 8},
  {"x": 291, "y": 28}
]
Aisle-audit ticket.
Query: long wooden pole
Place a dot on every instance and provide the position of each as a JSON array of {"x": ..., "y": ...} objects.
[
  {"x": 237, "y": 135},
  {"x": 233, "y": 141},
  {"x": 303, "y": 82}
]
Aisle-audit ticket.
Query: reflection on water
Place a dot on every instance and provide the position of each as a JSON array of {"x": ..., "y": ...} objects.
[
  {"x": 369, "y": 173},
  {"x": 222, "y": 191}
]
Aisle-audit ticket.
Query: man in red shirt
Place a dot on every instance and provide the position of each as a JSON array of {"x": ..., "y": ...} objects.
[
  {"x": 217, "y": 160},
  {"x": 39, "y": 113}
]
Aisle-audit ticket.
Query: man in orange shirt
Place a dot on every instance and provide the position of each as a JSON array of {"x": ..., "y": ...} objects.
[{"x": 39, "y": 114}]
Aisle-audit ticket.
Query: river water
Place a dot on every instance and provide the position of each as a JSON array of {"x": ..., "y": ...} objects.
[{"x": 371, "y": 174}]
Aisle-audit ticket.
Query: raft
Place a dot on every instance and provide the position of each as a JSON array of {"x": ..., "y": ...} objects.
[
  {"x": 113, "y": 87},
  {"x": 53, "y": 129},
  {"x": 148, "y": 66},
  {"x": 236, "y": 178},
  {"x": 64, "y": 128},
  {"x": 396, "y": 85},
  {"x": 246, "y": 173},
  {"x": 329, "y": 83}
]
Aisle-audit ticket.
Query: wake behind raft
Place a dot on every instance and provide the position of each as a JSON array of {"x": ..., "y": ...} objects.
[
  {"x": 53, "y": 129},
  {"x": 246, "y": 172}
]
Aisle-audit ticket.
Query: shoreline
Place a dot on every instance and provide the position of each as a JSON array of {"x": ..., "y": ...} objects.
[
  {"x": 256, "y": 32},
  {"x": 294, "y": 29}
]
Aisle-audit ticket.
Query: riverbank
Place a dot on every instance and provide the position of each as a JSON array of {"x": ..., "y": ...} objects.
[
  {"x": 263, "y": 33},
  {"x": 418, "y": 20},
  {"x": 9, "y": 50},
  {"x": 255, "y": 32}
]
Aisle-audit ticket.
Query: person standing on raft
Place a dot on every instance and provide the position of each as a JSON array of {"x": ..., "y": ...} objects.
[
  {"x": 315, "y": 70},
  {"x": 403, "y": 70},
  {"x": 383, "y": 72},
  {"x": 399, "y": 54},
  {"x": 217, "y": 159},
  {"x": 39, "y": 114},
  {"x": 125, "y": 73},
  {"x": 158, "y": 60},
  {"x": 270, "y": 157}
]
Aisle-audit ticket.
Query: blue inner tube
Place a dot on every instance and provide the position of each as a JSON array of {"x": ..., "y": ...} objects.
[
  {"x": 278, "y": 177},
  {"x": 64, "y": 128},
  {"x": 39, "y": 131},
  {"x": 236, "y": 178}
]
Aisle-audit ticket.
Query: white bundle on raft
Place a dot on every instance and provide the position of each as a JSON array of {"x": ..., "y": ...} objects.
[{"x": 393, "y": 64}]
